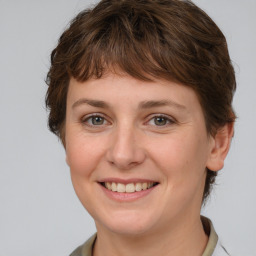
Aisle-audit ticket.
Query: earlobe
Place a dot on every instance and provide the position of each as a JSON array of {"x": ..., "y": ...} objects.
[{"x": 220, "y": 147}]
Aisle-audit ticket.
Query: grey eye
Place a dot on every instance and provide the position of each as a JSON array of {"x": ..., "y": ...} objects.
[
  {"x": 97, "y": 120},
  {"x": 159, "y": 120}
]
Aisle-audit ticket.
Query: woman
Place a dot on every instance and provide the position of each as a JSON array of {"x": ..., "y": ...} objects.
[{"x": 140, "y": 94}]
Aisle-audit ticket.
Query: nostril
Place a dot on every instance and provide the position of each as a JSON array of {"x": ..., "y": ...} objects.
[{"x": 123, "y": 164}]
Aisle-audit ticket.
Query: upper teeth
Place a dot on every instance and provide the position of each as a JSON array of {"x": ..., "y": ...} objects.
[{"x": 128, "y": 188}]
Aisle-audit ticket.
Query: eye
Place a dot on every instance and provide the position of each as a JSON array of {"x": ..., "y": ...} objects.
[
  {"x": 95, "y": 120},
  {"x": 160, "y": 121}
]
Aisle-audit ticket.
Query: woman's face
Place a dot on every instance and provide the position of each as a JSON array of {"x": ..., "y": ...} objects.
[{"x": 137, "y": 152}]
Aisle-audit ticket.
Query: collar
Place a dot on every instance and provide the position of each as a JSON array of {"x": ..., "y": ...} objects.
[
  {"x": 213, "y": 237},
  {"x": 87, "y": 247}
]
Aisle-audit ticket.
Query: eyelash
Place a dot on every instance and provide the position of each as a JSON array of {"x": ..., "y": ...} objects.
[
  {"x": 169, "y": 121},
  {"x": 87, "y": 118}
]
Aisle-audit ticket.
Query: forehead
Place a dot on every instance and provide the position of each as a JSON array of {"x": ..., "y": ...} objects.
[
  {"x": 120, "y": 82},
  {"x": 114, "y": 90}
]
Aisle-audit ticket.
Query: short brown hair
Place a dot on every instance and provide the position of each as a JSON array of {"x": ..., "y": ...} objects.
[{"x": 146, "y": 39}]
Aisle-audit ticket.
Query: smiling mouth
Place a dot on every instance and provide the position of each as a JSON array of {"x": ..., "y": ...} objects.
[{"x": 128, "y": 188}]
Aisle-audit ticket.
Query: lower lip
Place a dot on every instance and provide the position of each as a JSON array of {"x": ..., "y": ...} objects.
[{"x": 127, "y": 197}]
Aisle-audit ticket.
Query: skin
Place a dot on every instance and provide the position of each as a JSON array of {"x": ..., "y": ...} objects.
[{"x": 127, "y": 142}]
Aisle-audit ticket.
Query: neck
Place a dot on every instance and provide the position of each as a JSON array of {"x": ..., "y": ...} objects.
[{"x": 190, "y": 240}]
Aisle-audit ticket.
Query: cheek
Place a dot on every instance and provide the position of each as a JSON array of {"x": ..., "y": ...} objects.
[
  {"x": 182, "y": 159},
  {"x": 83, "y": 154}
]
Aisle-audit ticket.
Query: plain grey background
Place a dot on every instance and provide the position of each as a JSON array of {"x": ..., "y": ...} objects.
[{"x": 39, "y": 212}]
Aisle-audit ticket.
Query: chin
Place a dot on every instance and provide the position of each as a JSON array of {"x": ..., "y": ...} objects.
[{"x": 130, "y": 223}]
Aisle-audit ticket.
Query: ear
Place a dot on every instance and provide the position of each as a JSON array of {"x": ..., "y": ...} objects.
[{"x": 220, "y": 147}]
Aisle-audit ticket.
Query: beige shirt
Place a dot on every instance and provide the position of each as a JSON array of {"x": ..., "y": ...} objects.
[{"x": 213, "y": 248}]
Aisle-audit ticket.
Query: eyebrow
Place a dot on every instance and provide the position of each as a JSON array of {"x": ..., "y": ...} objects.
[
  {"x": 142, "y": 105},
  {"x": 94, "y": 103},
  {"x": 161, "y": 103}
]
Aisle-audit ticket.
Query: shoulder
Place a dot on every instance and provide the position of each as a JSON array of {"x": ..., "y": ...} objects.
[
  {"x": 220, "y": 250},
  {"x": 77, "y": 251},
  {"x": 86, "y": 248},
  {"x": 214, "y": 246}
]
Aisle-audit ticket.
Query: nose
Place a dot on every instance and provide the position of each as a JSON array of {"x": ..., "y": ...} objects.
[{"x": 124, "y": 151}]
